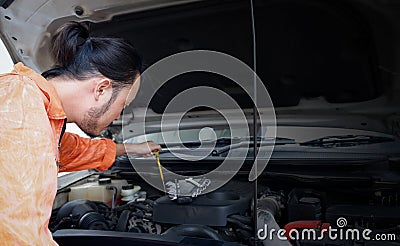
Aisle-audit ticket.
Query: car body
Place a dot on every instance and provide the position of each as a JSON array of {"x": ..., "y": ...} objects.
[{"x": 331, "y": 69}]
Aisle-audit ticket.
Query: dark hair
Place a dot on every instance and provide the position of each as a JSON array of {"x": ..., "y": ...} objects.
[{"x": 80, "y": 56}]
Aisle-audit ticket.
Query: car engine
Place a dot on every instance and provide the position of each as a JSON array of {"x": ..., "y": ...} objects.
[{"x": 225, "y": 215}]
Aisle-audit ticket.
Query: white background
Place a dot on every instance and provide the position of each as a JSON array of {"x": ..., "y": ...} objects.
[{"x": 6, "y": 63}]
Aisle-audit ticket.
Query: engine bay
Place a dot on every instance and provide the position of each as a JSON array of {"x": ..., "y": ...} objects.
[{"x": 129, "y": 208}]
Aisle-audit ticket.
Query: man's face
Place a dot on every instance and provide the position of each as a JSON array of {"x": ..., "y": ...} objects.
[{"x": 97, "y": 118}]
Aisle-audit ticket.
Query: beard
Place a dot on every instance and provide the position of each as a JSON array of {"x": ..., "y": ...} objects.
[{"x": 90, "y": 121}]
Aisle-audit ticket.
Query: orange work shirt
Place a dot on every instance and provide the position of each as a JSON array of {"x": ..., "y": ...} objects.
[{"x": 31, "y": 122}]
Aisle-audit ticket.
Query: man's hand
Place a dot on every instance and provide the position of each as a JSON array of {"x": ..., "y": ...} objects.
[{"x": 145, "y": 149}]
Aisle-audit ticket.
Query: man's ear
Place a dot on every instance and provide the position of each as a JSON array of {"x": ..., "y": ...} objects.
[{"x": 102, "y": 86}]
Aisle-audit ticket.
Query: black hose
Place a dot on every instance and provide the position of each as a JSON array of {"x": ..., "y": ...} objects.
[
  {"x": 122, "y": 207},
  {"x": 142, "y": 215},
  {"x": 193, "y": 231},
  {"x": 123, "y": 221},
  {"x": 239, "y": 224},
  {"x": 149, "y": 202},
  {"x": 137, "y": 204},
  {"x": 241, "y": 218},
  {"x": 140, "y": 206}
]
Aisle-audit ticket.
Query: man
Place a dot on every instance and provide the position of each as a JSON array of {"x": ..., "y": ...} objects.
[{"x": 91, "y": 83}]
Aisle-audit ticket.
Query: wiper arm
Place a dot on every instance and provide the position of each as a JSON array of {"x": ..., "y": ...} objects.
[
  {"x": 249, "y": 142},
  {"x": 222, "y": 145},
  {"x": 228, "y": 141},
  {"x": 220, "y": 141},
  {"x": 346, "y": 141}
]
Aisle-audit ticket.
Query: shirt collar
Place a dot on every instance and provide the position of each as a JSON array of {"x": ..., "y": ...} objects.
[{"x": 51, "y": 100}]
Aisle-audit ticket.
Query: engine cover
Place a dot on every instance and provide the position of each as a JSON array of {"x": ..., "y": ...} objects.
[{"x": 211, "y": 209}]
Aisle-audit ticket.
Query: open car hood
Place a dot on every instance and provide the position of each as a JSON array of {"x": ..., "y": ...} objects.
[
  {"x": 326, "y": 58},
  {"x": 331, "y": 68}
]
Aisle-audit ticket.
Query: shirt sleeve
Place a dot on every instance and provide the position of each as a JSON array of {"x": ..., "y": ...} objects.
[{"x": 79, "y": 153}]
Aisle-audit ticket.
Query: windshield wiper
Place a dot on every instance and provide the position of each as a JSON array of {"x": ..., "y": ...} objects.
[
  {"x": 224, "y": 141},
  {"x": 346, "y": 141},
  {"x": 219, "y": 141},
  {"x": 222, "y": 145},
  {"x": 248, "y": 142}
]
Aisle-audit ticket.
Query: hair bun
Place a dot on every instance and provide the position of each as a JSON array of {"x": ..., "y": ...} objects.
[
  {"x": 67, "y": 41},
  {"x": 79, "y": 57}
]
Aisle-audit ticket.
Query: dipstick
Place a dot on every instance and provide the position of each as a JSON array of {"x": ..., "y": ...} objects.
[{"x": 160, "y": 169}]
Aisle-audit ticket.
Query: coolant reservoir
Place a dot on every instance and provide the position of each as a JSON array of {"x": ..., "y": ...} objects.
[{"x": 95, "y": 190}]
